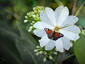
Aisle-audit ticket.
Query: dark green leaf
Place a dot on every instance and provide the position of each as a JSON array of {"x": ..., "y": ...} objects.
[
  {"x": 79, "y": 49},
  {"x": 26, "y": 45}
]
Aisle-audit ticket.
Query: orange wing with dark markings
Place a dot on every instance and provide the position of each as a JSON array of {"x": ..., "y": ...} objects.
[{"x": 49, "y": 32}]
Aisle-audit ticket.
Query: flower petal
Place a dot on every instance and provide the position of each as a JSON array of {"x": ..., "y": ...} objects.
[
  {"x": 51, "y": 15},
  {"x": 50, "y": 45},
  {"x": 58, "y": 12},
  {"x": 73, "y": 28},
  {"x": 59, "y": 45},
  {"x": 39, "y": 32},
  {"x": 44, "y": 41},
  {"x": 66, "y": 43},
  {"x": 41, "y": 25},
  {"x": 44, "y": 18},
  {"x": 70, "y": 35},
  {"x": 70, "y": 21},
  {"x": 61, "y": 14}
]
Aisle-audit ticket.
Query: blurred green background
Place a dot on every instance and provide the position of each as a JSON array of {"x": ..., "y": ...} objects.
[{"x": 16, "y": 44}]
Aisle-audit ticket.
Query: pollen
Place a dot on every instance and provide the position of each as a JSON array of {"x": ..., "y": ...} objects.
[{"x": 56, "y": 29}]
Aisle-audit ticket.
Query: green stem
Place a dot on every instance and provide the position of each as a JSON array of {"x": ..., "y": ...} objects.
[
  {"x": 68, "y": 57},
  {"x": 62, "y": 58},
  {"x": 74, "y": 7},
  {"x": 78, "y": 11}
]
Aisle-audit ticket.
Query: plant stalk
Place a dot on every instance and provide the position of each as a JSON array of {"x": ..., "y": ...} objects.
[{"x": 74, "y": 7}]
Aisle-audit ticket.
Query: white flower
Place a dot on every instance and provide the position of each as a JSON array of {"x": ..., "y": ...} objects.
[{"x": 58, "y": 21}]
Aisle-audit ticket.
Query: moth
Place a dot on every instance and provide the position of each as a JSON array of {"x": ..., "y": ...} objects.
[{"x": 52, "y": 34}]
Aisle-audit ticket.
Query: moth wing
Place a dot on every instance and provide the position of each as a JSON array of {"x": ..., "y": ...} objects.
[
  {"x": 57, "y": 35},
  {"x": 49, "y": 33}
]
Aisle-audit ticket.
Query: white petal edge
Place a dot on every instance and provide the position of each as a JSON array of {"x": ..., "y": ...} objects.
[
  {"x": 50, "y": 45},
  {"x": 41, "y": 25},
  {"x": 70, "y": 35},
  {"x": 73, "y": 28},
  {"x": 70, "y": 21},
  {"x": 59, "y": 45},
  {"x": 44, "y": 41},
  {"x": 61, "y": 14},
  {"x": 39, "y": 32},
  {"x": 66, "y": 43},
  {"x": 51, "y": 15}
]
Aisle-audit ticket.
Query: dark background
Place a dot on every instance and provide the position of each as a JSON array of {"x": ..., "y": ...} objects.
[{"x": 16, "y": 44}]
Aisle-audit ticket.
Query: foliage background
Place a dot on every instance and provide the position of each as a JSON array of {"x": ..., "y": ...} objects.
[{"x": 16, "y": 44}]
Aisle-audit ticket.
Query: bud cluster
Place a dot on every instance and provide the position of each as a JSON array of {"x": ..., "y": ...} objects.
[
  {"x": 48, "y": 55},
  {"x": 33, "y": 16}
]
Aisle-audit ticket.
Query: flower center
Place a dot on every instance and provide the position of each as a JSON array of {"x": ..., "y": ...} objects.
[{"x": 56, "y": 29}]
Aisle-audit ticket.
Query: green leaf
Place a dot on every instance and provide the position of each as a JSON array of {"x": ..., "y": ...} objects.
[
  {"x": 82, "y": 21},
  {"x": 26, "y": 45},
  {"x": 8, "y": 50},
  {"x": 79, "y": 49},
  {"x": 59, "y": 2}
]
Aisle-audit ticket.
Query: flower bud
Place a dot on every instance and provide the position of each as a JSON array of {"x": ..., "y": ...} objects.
[
  {"x": 25, "y": 21},
  {"x": 50, "y": 57},
  {"x": 44, "y": 59}
]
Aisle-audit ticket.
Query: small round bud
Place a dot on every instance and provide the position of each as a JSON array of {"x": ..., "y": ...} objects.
[
  {"x": 71, "y": 44},
  {"x": 55, "y": 53},
  {"x": 83, "y": 32},
  {"x": 30, "y": 28},
  {"x": 33, "y": 16},
  {"x": 35, "y": 50},
  {"x": 33, "y": 22},
  {"x": 37, "y": 54},
  {"x": 28, "y": 14},
  {"x": 25, "y": 21},
  {"x": 26, "y": 17},
  {"x": 37, "y": 46},
  {"x": 50, "y": 57},
  {"x": 40, "y": 52},
  {"x": 44, "y": 59}
]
